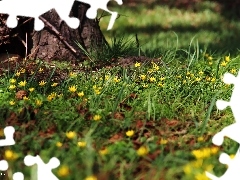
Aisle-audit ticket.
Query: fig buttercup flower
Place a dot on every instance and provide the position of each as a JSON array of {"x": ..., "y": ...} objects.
[
  {"x": 71, "y": 134},
  {"x": 59, "y": 144},
  {"x": 81, "y": 144},
  {"x": 11, "y": 87},
  {"x": 72, "y": 89},
  {"x": 42, "y": 83},
  {"x": 137, "y": 64},
  {"x": 31, "y": 89},
  {"x": 10, "y": 155},
  {"x": 54, "y": 84},
  {"x": 22, "y": 83},
  {"x": 96, "y": 117},
  {"x": 63, "y": 171},
  {"x": 142, "y": 151},
  {"x": 130, "y": 133},
  {"x": 12, "y": 81},
  {"x": 81, "y": 94}
]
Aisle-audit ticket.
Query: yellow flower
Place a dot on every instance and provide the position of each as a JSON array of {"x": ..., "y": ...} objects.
[
  {"x": 22, "y": 70},
  {"x": 187, "y": 169},
  {"x": 214, "y": 150},
  {"x": 11, "y": 87},
  {"x": 200, "y": 139},
  {"x": 96, "y": 117},
  {"x": 210, "y": 63},
  {"x": 97, "y": 91},
  {"x": 17, "y": 73},
  {"x": 31, "y": 89},
  {"x": 11, "y": 103},
  {"x": 72, "y": 89},
  {"x": 91, "y": 178},
  {"x": 12, "y": 81},
  {"x": 71, "y": 134},
  {"x": 38, "y": 102},
  {"x": 103, "y": 151},
  {"x": 59, "y": 144},
  {"x": 82, "y": 144},
  {"x": 179, "y": 76},
  {"x": 40, "y": 70},
  {"x": 31, "y": 73},
  {"x": 201, "y": 176},
  {"x": 232, "y": 156},
  {"x": 160, "y": 84},
  {"x": 142, "y": 151},
  {"x": 137, "y": 64},
  {"x": 213, "y": 79},
  {"x": 145, "y": 85},
  {"x": 116, "y": 79},
  {"x": 198, "y": 79},
  {"x": 201, "y": 73},
  {"x": 49, "y": 98},
  {"x": 163, "y": 141},
  {"x": 54, "y": 84},
  {"x": 163, "y": 78},
  {"x": 107, "y": 77},
  {"x": 210, "y": 58},
  {"x": 143, "y": 77},
  {"x": 22, "y": 83},
  {"x": 81, "y": 94},
  {"x": 10, "y": 155},
  {"x": 233, "y": 71},
  {"x": 227, "y": 58},
  {"x": 25, "y": 98},
  {"x": 130, "y": 133},
  {"x": 224, "y": 63},
  {"x": 202, "y": 153},
  {"x": 152, "y": 79},
  {"x": 63, "y": 171},
  {"x": 155, "y": 67},
  {"x": 72, "y": 74},
  {"x": 42, "y": 83}
]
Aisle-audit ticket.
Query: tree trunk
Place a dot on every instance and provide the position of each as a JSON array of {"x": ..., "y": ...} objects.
[{"x": 56, "y": 41}]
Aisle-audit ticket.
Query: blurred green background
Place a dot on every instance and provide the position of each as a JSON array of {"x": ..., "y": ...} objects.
[{"x": 169, "y": 24}]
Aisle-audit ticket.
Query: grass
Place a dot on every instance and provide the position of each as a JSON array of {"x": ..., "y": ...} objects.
[{"x": 147, "y": 121}]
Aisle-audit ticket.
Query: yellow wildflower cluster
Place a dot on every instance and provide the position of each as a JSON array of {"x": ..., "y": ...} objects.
[
  {"x": 51, "y": 96},
  {"x": 225, "y": 61},
  {"x": 97, "y": 90},
  {"x": 205, "y": 152}
]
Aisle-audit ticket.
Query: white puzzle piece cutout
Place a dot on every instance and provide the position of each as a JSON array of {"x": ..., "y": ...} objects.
[
  {"x": 231, "y": 131},
  {"x": 8, "y": 133},
  {"x": 35, "y": 8},
  {"x": 44, "y": 170}
]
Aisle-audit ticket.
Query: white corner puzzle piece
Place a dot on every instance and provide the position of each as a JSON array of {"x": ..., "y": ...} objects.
[
  {"x": 231, "y": 131},
  {"x": 8, "y": 132},
  {"x": 35, "y": 8}
]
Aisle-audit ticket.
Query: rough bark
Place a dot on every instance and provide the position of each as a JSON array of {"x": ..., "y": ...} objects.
[{"x": 56, "y": 41}]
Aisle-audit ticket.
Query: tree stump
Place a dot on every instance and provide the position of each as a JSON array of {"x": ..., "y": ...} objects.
[{"x": 56, "y": 41}]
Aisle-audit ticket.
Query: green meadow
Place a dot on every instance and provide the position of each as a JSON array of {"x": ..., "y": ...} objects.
[{"x": 148, "y": 118}]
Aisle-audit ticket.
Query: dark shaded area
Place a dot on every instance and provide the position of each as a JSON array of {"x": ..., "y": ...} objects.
[{"x": 57, "y": 40}]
